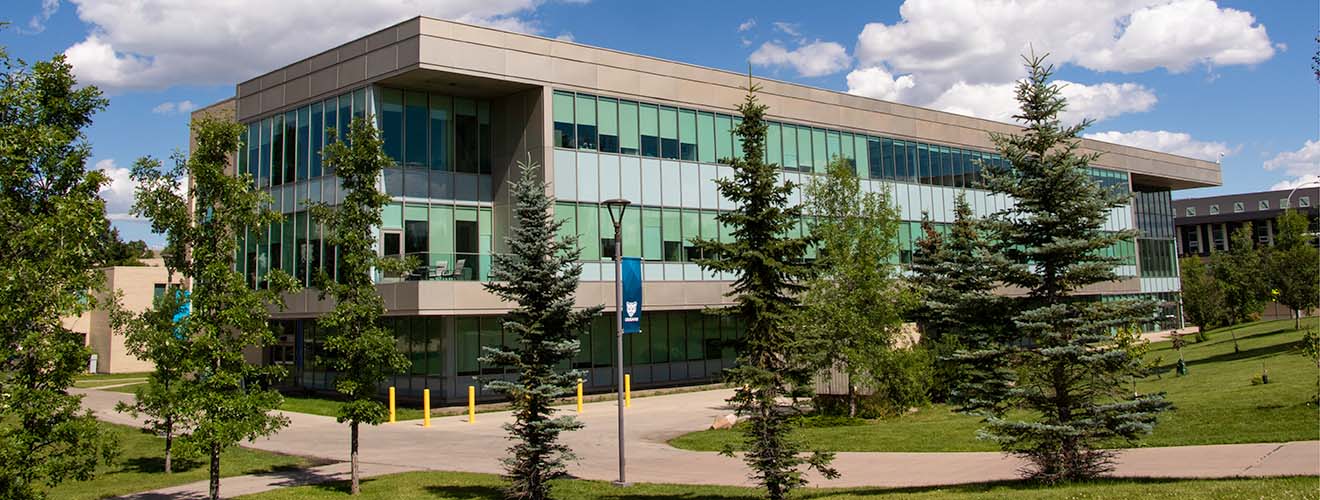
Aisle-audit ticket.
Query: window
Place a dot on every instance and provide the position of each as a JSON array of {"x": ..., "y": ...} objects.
[
  {"x": 290, "y": 146},
  {"x": 1303, "y": 202},
  {"x": 706, "y": 138},
  {"x": 441, "y": 116},
  {"x": 790, "y": 146},
  {"x": 415, "y": 237},
  {"x": 586, "y": 122},
  {"x": 1263, "y": 205},
  {"x": 672, "y": 236},
  {"x": 563, "y": 113},
  {"x": 1238, "y": 207},
  {"x": 276, "y": 168},
  {"x": 669, "y": 133},
  {"x": 391, "y": 123},
  {"x": 466, "y": 136},
  {"x": 158, "y": 291},
  {"x": 1191, "y": 211},
  {"x": 723, "y": 137},
  {"x": 608, "y": 118},
  {"x": 1214, "y": 209},
  {"x": 628, "y": 143},
  {"x": 650, "y": 129},
  {"x": 687, "y": 135},
  {"x": 1283, "y": 203},
  {"x": 304, "y": 120}
]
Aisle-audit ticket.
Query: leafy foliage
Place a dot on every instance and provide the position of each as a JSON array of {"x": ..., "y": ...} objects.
[
  {"x": 1203, "y": 295},
  {"x": 851, "y": 308},
  {"x": 54, "y": 232},
  {"x": 539, "y": 274},
  {"x": 1293, "y": 266},
  {"x": 1241, "y": 274},
  {"x": 123, "y": 253},
  {"x": 360, "y": 351},
  {"x": 1070, "y": 369},
  {"x": 228, "y": 396},
  {"x": 770, "y": 271}
]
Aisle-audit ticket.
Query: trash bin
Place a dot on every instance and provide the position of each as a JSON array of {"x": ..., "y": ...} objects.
[{"x": 91, "y": 364}]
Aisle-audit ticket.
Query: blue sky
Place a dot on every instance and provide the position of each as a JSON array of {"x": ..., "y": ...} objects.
[{"x": 1192, "y": 77}]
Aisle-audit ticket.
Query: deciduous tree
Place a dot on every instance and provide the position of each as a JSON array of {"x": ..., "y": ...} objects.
[
  {"x": 1241, "y": 274},
  {"x": 360, "y": 351},
  {"x": 1203, "y": 295},
  {"x": 1293, "y": 266}
]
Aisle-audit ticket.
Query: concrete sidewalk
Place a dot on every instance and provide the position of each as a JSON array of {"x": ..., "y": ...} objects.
[{"x": 453, "y": 444}]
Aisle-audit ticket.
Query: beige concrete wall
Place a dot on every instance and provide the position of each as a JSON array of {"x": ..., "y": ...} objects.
[{"x": 136, "y": 284}]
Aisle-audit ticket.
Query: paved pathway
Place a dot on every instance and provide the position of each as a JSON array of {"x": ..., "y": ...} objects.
[{"x": 453, "y": 444}]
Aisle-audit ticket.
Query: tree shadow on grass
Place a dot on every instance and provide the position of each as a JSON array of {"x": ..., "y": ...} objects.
[
  {"x": 466, "y": 492},
  {"x": 156, "y": 465},
  {"x": 1255, "y": 352}
]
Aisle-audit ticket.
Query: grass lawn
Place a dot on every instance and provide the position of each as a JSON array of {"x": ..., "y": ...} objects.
[
  {"x": 92, "y": 380},
  {"x": 141, "y": 462},
  {"x": 1215, "y": 404},
  {"x": 329, "y": 407},
  {"x": 454, "y": 486}
]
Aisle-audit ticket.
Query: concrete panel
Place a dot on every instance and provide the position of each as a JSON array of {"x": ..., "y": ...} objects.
[
  {"x": 382, "y": 61},
  {"x": 323, "y": 81},
  {"x": 272, "y": 79},
  {"x": 409, "y": 52},
  {"x": 352, "y": 49},
  {"x": 382, "y": 38},
  {"x": 323, "y": 60},
  {"x": 272, "y": 99},
  {"x": 352, "y": 71},
  {"x": 250, "y": 87},
  {"x": 297, "y": 89},
  {"x": 297, "y": 69}
]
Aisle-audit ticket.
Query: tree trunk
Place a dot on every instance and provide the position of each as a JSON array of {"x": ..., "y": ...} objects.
[
  {"x": 353, "y": 458},
  {"x": 852, "y": 398},
  {"x": 1233, "y": 332},
  {"x": 1297, "y": 320},
  {"x": 169, "y": 444},
  {"x": 215, "y": 471}
]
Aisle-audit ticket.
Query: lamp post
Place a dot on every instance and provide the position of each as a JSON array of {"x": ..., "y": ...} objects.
[
  {"x": 1299, "y": 186},
  {"x": 617, "y": 218}
]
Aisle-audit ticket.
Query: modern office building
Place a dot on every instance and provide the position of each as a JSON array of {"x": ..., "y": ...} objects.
[
  {"x": 459, "y": 105},
  {"x": 1207, "y": 224}
]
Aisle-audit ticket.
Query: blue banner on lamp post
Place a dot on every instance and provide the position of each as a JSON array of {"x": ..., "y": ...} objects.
[{"x": 632, "y": 294}]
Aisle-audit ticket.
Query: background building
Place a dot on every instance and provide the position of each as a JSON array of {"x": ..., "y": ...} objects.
[
  {"x": 459, "y": 105},
  {"x": 137, "y": 286},
  {"x": 1206, "y": 224}
]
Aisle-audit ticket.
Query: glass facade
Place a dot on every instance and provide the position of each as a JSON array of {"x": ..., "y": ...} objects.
[
  {"x": 674, "y": 347},
  {"x": 1157, "y": 244}
]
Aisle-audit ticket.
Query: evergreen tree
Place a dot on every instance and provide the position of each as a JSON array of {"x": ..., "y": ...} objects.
[
  {"x": 962, "y": 319},
  {"x": 1070, "y": 368},
  {"x": 54, "y": 233},
  {"x": 851, "y": 308},
  {"x": 227, "y": 396},
  {"x": 770, "y": 269},
  {"x": 539, "y": 274},
  {"x": 1294, "y": 266},
  {"x": 1241, "y": 273},
  {"x": 360, "y": 351},
  {"x": 1203, "y": 295}
]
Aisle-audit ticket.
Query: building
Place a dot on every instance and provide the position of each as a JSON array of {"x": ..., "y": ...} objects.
[
  {"x": 138, "y": 287},
  {"x": 1207, "y": 224},
  {"x": 459, "y": 105}
]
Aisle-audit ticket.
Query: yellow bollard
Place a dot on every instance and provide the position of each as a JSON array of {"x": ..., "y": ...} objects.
[
  {"x": 579, "y": 395},
  {"x": 627, "y": 390},
  {"x": 391, "y": 404},
  {"x": 472, "y": 404},
  {"x": 426, "y": 407}
]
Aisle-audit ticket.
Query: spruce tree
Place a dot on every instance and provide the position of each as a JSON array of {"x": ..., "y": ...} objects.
[
  {"x": 1070, "y": 368},
  {"x": 1241, "y": 273},
  {"x": 850, "y": 314},
  {"x": 361, "y": 352},
  {"x": 1294, "y": 266},
  {"x": 539, "y": 274},
  {"x": 769, "y": 269},
  {"x": 54, "y": 231},
  {"x": 963, "y": 320},
  {"x": 228, "y": 397}
]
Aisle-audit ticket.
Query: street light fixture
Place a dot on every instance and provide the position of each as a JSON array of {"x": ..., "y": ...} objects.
[{"x": 617, "y": 206}]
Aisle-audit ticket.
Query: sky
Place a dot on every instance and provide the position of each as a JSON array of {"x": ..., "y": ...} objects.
[{"x": 1198, "y": 78}]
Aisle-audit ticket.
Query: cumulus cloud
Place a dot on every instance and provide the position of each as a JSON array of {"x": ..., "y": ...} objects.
[
  {"x": 170, "y": 108},
  {"x": 810, "y": 60},
  {"x": 1303, "y": 165},
  {"x": 961, "y": 51},
  {"x": 147, "y": 44},
  {"x": 878, "y": 83},
  {"x": 118, "y": 194},
  {"x": 1178, "y": 143}
]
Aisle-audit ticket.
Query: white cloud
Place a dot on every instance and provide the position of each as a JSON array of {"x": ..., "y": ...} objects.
[
  {"x": 959, "y": 51},
  {"x": 160, "y": 43},
  {"x": 566, "y": 36},
  {"x": 814, "y": 59},
  {"x": 746, "y": 25},
  {"x": 790, "y": 29},
  {"x": 1303, "y": 164},
  {"x": 118, "y": 194},
  {"x": 37, "y": 24},
  {"x": 1178, "y": 143},
  {"x": 877, "y": 83},
  {"x": 169, "y": 107},
  {"x": 1305, "y": 181}
]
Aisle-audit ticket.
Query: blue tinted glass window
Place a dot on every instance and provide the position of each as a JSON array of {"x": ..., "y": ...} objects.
[
  {"x": 391, "y": 122},
  {"x": 414, "y": 127}
]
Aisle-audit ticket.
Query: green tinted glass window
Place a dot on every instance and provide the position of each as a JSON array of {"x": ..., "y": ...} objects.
[
  {"x": 652, "y": 243},
  {"x": 737, "y": 139},
  {"x": 706, "y": 138},
  {"x": 668, "y": 133},
  {"x": 790, "y": 145},
  {"x": 608, "y": 129},
  {"x": 628, "y": 140},
  {"x": 564, "y": 126},
  {"x": 586, "y": 121},
  {"x": 723, "y": 137},
  {"x": 819, "y": 158},
  {"x": 804, "y": 149},
  {"x": 673, "y": 235},
  {"x": 650, "y": 128},
  {"x": 773, "y": 151},
  {"x": 687, "y": 135}
]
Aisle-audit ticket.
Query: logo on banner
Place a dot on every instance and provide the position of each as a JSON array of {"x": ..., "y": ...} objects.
[
  {"x": 630, "y": 308},
  {"x": 632, "y": 294}
]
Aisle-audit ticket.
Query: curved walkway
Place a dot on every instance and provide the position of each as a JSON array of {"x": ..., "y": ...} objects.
[{"x": 453, "y": 444}]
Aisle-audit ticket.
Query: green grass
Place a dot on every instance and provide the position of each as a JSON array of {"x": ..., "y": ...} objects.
[
  {"x": 93, "y": 380},
  {"x": 454, "y": 486},
  {"x": 330, "y": 407},
  {"x": 141, "y": 464},
  {"x": 127, "y": 389},
  {"x": 1215, "y": 404}
]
